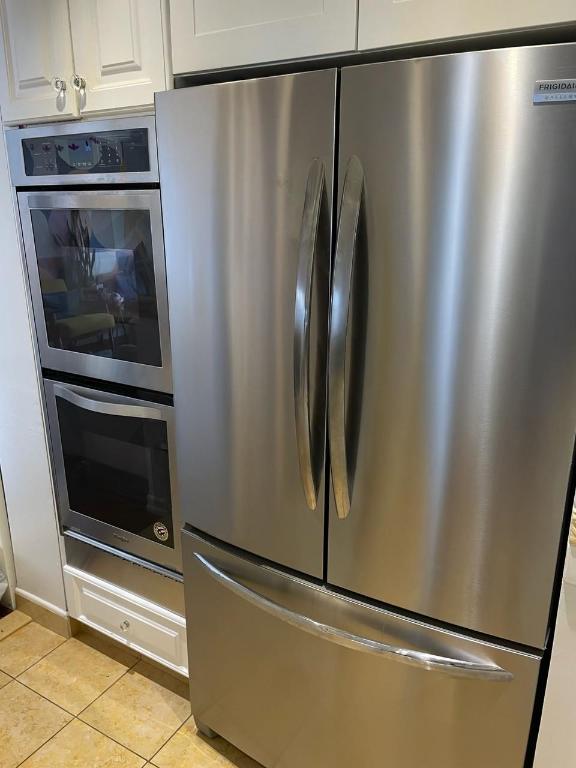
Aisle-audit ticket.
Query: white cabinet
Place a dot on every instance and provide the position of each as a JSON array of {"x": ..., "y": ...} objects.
[
  {"x": 384, "y": 23},
  {"x": 209, "y": 34},
  {"x": 119, "y": 51},
  {"x": 37, "y": 50},
  {"x": 105, "y": 55},
  {"x": 144, "y": 626}
]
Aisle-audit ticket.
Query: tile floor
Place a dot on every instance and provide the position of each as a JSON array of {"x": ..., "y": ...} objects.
[{"x": 85, "y": 703}]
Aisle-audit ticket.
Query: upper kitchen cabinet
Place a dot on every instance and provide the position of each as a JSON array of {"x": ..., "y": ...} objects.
[
  {"x": 210, "y": 34},
  {"x": 63, "y": 59},
  {"x": 383, "y": 23},
  {"x": 118, "y": 53},
  {"x": 38, "y": 62}
]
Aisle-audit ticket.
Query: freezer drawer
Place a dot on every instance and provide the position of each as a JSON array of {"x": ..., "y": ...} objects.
[{"x": 299, "y": 677}]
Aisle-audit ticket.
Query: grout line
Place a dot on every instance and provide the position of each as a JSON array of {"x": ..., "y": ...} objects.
[
  {"x": 73, "y": 717},
  {"x": 35, "y": 662},
  {"x": 129, "y": 669},
  {"x": 72, "y": 714},
  {"x": 111, "y": 738},
  {"x": 55, "y": 733}
]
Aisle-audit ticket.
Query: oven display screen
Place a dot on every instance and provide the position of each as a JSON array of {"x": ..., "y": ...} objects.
[{"x": 121, "y": 151}]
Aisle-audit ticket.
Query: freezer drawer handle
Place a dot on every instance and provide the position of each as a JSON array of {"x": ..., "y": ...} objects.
[
  {"x": 339, "y": 310},
  {"x": 110, "y": 409},
  {"x": 307, "y": 250},
  {"x": 428, "y": 661}
]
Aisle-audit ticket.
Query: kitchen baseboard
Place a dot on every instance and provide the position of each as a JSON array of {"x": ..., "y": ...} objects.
[{"x": 43, "y": 612}]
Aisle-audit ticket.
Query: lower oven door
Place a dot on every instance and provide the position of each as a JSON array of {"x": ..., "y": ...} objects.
[
  {"x": 299, "y": 677},
  {"x": 114, "y": 470}
]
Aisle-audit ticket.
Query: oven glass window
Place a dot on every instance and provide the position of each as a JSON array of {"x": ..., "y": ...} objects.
[
  {"x": 117, "y": 470},
  {"x": 96, "y": 271}
]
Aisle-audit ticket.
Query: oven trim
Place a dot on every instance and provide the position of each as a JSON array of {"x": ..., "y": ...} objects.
[
  {"x": 110, "y": 535},
  {"x": 14, "y": 138},
  {"x": 152, "y": 377}
]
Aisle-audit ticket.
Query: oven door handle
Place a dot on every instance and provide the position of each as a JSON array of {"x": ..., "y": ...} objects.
[{"x": 110, "y": 409}]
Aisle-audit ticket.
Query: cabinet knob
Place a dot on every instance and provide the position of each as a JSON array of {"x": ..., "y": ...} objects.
[
  {"x": 125, "y": 626},
  {"x": 78, "y": 82},
  {"x": 59, "y": 84}
]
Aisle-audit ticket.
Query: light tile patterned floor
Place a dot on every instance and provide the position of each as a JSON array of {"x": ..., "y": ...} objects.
[{"x": 85, "y": 703}]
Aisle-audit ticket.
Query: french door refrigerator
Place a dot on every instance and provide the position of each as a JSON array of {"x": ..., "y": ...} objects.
[{"x": 385, "y": 255}]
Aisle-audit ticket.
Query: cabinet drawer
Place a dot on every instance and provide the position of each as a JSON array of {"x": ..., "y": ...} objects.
[{"x": 144, "y": 626}]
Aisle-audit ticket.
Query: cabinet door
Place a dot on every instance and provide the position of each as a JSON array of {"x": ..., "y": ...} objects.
[
  {"x": 396, "y": 22},
  {"x": 208, "y": 34},
  {"x": 37, "y": 49},
  {"x": 119, "y": 51}
]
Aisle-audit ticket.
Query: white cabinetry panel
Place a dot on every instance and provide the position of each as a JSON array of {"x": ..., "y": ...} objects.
[
  {"x": 37, "y": 49},
  {"x": 210, "y": 34},
  {"x": 130, "y": 619},
  {"x": 384, "y": 23},
  {"x": 119, "y": 51}
]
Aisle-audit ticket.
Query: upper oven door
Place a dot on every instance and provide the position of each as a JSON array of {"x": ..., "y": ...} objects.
[
  {"x": 98, "y": 283},
  {"x": 117, "y": 151},
  {"x": 113, "y": 459}
]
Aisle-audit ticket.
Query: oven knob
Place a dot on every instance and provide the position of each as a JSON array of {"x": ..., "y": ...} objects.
[{"x": 125, "y": 626}]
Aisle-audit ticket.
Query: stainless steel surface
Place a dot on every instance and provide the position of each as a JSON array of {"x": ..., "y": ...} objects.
[
  {"x": 348, "y": 223},
  {"x": 234, "y": 162},
  {"x": 14, "y": 138},
  {"x": 468, "y": 386},
  {"x": 454, "y": 667},
  {"x": 125, "y": 372},
  {"x": 328, "y": 705},
  {"x": 90, "y": 527},
  {"x": 112, "y": 409},
  {"x": 302, "y": 305},
  {"x": 102, "y": 560}
]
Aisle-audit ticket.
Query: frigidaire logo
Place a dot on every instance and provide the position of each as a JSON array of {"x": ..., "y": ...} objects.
[
  {"x": 558, "y": 85},
  {"x": 546, "y": 91}
]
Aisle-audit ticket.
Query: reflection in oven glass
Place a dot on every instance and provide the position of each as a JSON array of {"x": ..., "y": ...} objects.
[
  {"x": 117, "y": 470},
  {"x": 96, "y": 272}
]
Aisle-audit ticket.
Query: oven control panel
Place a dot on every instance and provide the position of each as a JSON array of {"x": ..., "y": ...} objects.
[{"x": 118, "y": 151}]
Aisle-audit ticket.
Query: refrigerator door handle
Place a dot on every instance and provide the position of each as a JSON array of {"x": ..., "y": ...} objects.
[
  {"x": 339, "y": 310},
  {"x": 452, "y": 667},
  {"x": 307, "y": 250}
]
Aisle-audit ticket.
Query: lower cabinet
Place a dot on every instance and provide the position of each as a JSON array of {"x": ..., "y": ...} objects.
[
  {"x": 384, "y": 23},
  {"x": 142, "y": 625}
]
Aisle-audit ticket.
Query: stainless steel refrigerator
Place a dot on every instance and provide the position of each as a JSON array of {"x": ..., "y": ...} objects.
[{"x": 372, "y": 288}]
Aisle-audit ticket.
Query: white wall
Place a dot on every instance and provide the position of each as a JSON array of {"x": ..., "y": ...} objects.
[
  {"x": 556, "y": 746},
  {"x": 23, "y": 450},
  {"x": 6, "y": 556}
]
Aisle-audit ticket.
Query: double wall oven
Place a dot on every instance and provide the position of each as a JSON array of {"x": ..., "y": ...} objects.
[{"x": 90, "y": 213}]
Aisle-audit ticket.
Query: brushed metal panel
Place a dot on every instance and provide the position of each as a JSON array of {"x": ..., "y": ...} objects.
[
  {"x": 234, "y": 162},
  {"x": 293, "y": 700},
  {"x": 465, "y": 394}
]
